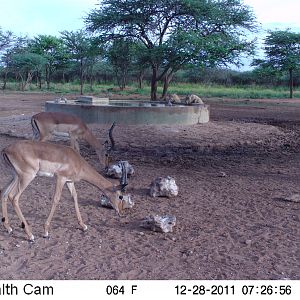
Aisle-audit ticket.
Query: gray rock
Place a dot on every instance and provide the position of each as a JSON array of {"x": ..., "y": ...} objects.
[
  {"x": 293, "y": 198},
  {"x": 159, "y": 223},
  {"x": 115, "y": 170},
  {"x": 163, "y": 187}
]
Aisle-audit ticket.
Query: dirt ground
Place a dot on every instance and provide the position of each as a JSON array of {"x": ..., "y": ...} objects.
[{"x": 233, "y": 175}]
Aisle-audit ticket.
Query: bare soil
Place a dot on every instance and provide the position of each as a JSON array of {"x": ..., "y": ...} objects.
[{"x": 233, "y": 175}]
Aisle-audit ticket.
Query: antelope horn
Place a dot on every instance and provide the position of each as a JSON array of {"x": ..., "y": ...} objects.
[
  {"x": 123, "y": 179},
  {"x": 112, "y": 141}
]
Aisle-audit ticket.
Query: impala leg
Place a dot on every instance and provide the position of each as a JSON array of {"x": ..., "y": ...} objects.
[
  {"x": 23, "y": 182},
  {"x": 60, "y": 182},
  {"x": 5, "y": 195},
  {"x": 73, "y": 192},
  {"x": 74, "y": 143},
  {"x": 44, "y": 138}
]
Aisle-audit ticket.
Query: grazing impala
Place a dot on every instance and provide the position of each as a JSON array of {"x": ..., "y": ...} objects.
[
  {"x": 28, "y": 159},
  {"x": 46, "y": 124}
]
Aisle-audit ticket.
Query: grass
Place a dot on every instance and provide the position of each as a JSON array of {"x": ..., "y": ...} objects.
[
  {"x": 251, "y": 92},
  {"x": 182, "y": 89}
]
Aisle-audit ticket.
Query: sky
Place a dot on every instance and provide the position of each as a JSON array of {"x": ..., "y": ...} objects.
[{"x": 50, "y": 17}]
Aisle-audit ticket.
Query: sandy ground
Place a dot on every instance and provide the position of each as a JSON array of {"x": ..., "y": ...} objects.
[{"x": 233, "y": 175}]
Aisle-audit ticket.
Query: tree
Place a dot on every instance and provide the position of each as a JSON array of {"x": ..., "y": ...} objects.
[
  {"x": 282, "y": 50},
  {"x": 51, "y": 48},
  {"x": 175, "y": 32},
  {"x": 81, "y": 48},
  {"x": 6, "y": 38},
  {"x": 25, "y": 65},
  {"x": 120, "y": 56},
  {"x": 17, "y": 46}
]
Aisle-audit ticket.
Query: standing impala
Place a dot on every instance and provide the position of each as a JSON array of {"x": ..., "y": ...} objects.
[
  {"x": 28, "y": 159},
  {"x": 46, "y": 124}
]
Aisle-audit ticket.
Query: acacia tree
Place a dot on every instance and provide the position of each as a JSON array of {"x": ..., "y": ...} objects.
[
  {"x": 175, "y": 32},
  {"x": 51, "y": 48},
  {"x": 25, "y": 65},
  {"x": 6, "y": 39},
  {"x": 120, "y": 55},
  {"x": 82, "y": 48},
  {"x": 17, "y": 46},
  {"x": 282, "y": 49}
]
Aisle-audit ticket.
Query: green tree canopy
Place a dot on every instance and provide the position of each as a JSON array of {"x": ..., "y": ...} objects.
[
  {"x": 282, "y": 51},
  {"x": 82, "y": 48},
  {"x": 52, "y": 49},
  {"x": 6, "y": 38},
  {"x": 25, "y": 65},
  {"x": 121, "y": 63},
  {"x": 176, "y": 32}
]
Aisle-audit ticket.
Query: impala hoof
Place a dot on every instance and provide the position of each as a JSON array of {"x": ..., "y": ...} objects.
[
  {"x": 31, "y": 239},
  {"x": 46, "y": 235},
  {"x": 84, "y": 228}
]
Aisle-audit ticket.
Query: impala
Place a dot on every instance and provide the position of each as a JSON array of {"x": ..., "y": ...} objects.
[
  {"x": 28, "y": 159},
  {"x": 46, "y": 124}
]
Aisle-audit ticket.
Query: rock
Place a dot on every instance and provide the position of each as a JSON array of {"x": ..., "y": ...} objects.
[
  {"x": 293, "y": 198},
  {"x": 248, "y": 242},
  {"x": 163, "y": 187},
  {"x": 127, "y": 202},
  {"x": 115, "y": 170},
  {"x": 222, "y": 174},
  {"x": 159, "y": 223},
  {"x": 61, "y": 100},
  {"x": 193, "y": 99}
]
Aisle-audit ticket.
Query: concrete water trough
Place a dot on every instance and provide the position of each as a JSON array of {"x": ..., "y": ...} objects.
[{"x": 130, "y": 112}]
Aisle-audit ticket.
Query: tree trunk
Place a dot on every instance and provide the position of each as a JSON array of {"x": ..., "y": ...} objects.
[
  {"x": 81, "y": 77},
  {"x": 167, "y": 81},
  {"x": 291, "y": 83},
  {"x": 4, "y": 81},
  {"x": 124, "y": 76},
  {"x": 39, "y": 80},
  {"x": 48, "y": 77},
  {"x": 140, "y": 79},
  {"x": 91, "y": 82},
  {"x": 63, "y": 77},
  {"x": 154, "y": 83},
  {"x": 28, "y": 81}
]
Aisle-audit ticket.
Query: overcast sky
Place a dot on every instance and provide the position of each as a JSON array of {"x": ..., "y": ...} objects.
[{"x": 33, "y": 17}]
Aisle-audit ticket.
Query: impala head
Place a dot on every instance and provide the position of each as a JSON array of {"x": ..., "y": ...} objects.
[{"x": 117, "y": 202}]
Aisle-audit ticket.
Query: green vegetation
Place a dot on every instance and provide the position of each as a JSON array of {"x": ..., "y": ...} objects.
[
  {"x": 282, "y": 49},
  {"x": 169, "y": 35},
  {"x": 152, "y": 48},
  {"x": 182, "y": 89}
]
